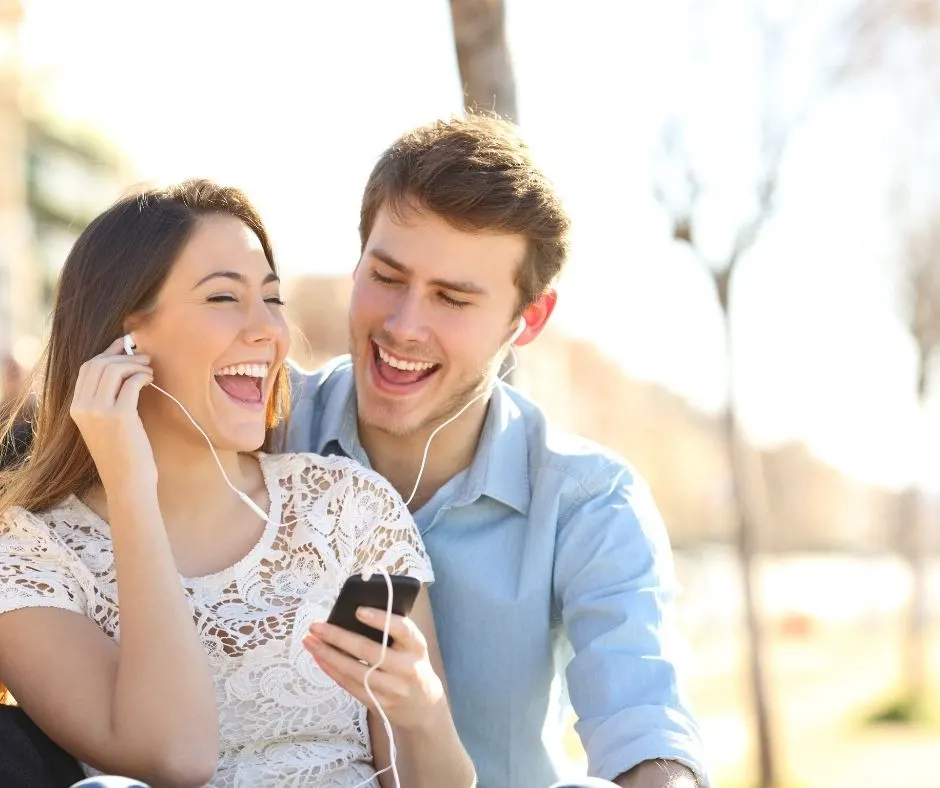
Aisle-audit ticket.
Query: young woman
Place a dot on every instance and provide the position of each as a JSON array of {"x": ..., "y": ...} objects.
[{"x": 150, "y": 621}]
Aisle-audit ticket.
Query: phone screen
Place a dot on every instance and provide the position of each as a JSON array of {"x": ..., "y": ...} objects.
[{"x": 373, "y": 592}]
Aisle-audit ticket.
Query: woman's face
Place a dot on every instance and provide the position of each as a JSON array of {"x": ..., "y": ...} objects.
[{"x": 216, "y": 336}]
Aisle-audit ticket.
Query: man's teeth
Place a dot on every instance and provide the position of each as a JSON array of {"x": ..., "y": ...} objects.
[
  {"x": 251, "y": 370},
  {"x": 410, "y": 366}
]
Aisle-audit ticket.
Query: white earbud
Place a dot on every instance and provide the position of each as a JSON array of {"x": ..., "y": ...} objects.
[
  {"x": 518, "y": 332},
  {"x": 129, "y": 344}
]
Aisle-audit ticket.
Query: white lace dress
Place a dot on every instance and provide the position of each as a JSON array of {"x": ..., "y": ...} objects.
[{"x": 283, "y": 722}]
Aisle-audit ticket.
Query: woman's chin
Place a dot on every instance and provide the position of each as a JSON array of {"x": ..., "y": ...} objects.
[
  {"x": 245, "y": 439},
  {"x": 254, "y": 443}
]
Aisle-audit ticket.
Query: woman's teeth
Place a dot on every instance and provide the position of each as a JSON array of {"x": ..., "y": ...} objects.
[{"x": 250, "y": 370}]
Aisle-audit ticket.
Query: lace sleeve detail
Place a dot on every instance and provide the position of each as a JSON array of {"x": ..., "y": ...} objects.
[
  {"x": 37, "y": 569},
  {"x": 387, "y": 536}
]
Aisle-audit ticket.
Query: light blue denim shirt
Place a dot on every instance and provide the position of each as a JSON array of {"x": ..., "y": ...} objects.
[{"x": 545, "y": 546}]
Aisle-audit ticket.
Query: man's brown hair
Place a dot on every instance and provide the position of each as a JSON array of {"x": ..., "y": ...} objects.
[{"x": 475, "y": 172}]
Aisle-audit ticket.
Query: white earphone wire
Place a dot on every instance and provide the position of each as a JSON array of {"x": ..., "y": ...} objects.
[
  {"x": 128, "y": 346},
  {"x": 244, "y": 496},
  {"x": 439, "y": 427},
  {"x": 388, "y": 612},
  {"x": 392, "y": 751}
]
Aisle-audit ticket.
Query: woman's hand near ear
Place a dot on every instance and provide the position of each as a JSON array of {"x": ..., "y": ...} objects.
[
  {"x": 104, "y": 407},
  {"x": 106, "y": 701}
]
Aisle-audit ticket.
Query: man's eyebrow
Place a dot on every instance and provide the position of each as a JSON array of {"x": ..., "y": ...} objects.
[
  {"x": 235, "y": 277},
  {"x": 466, "y": 287}
]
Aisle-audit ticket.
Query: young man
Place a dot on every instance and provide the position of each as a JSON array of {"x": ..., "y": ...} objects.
[{"x": 540, "y": 542}]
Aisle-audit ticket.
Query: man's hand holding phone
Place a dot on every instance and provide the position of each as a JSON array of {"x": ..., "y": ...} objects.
[{"x": 405, "y": 684}]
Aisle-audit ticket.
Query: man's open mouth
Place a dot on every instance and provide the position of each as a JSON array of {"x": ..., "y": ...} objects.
[{"x": 401, "y": 371}]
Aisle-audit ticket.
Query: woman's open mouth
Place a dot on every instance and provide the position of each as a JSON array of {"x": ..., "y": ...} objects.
[{"x": 243, "y": 383}]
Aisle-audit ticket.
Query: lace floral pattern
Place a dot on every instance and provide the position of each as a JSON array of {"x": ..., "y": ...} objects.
[{"x": 283, "y": 722}]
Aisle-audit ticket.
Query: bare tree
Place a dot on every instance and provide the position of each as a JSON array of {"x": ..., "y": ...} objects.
[
  {"x": 683, "y": 230},
  {"x": 687, "y": 185},
  {"x": 919, "y": 253},
  {"x": 681, "y": 189},
  {"x": 921, "y": 242},
  {"x": 486, "y": 71},
  {"x": 906, "y": 51}
]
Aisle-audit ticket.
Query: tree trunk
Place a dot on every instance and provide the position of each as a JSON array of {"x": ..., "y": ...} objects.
[
  {"x": 918, "y": 554},
  {"x": 747, "y": 553},
  {"x": 917, "y": 551},
  {"x": 483, "y": 56},
  {"x": 918, "y": 544},
  {"x": 485, "y": 70}
]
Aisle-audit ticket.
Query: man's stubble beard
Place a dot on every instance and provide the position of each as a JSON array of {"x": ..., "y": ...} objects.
[{"x": 452, "y": 405}]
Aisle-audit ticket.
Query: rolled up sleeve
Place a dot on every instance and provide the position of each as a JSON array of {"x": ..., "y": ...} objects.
[{"x": 615, "y": 586}]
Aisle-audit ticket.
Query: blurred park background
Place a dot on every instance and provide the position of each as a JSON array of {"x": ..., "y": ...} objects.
[{"x": 751, "y": 312}]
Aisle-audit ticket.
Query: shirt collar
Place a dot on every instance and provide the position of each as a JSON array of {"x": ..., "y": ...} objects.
[
  {"x": 500, "y": 466},
  {"x": 340, "y": 422}
]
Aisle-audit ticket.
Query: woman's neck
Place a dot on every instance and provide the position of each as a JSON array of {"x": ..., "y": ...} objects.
[
  {"x": 190, "y": 482},
  {"x": 191, "y": 491}
]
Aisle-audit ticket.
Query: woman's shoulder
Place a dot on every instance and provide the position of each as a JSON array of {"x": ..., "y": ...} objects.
[
  {"x": 59, "y": 529},
  {"x": 18, "y": 518}
]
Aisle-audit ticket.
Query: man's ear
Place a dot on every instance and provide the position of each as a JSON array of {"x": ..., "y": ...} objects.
[{"x": 536, "y": 316}]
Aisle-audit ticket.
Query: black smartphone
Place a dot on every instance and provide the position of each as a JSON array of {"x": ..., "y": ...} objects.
[{"x": 373, "y": 592}]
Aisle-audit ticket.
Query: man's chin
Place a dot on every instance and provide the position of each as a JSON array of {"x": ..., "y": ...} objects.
[{"x": 391, "y": 424}]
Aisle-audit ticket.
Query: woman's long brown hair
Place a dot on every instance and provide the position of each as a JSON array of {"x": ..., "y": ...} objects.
[{"x": 115, "y": 270}]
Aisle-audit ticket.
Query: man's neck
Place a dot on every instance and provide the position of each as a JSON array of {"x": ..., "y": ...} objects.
[{"x": 398, "y": 457}]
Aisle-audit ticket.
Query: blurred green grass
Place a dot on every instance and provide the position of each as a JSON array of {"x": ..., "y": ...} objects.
[{"x": 839, "y": 715}]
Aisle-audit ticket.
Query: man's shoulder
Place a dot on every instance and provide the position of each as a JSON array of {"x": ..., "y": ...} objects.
[
  {"x": 317, "y": 401},
  {"x": 588, "y": 464},
  {"x": 317, "y": 383}
]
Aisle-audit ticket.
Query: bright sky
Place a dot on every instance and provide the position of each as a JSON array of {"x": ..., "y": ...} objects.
[{"x": 293, "y": 102}]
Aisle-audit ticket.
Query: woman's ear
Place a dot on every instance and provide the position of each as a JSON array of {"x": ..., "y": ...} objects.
[{"x": 133, "y": 327}]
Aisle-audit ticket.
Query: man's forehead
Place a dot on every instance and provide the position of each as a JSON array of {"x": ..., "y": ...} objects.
[{"x": 419, "y": 239}]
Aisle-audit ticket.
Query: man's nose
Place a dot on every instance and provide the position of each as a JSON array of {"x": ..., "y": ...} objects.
[{"x": 407, "y": 322}]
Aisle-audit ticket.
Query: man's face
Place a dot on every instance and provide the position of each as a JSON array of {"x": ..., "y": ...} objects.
[{"x": 429, "y": 320}]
